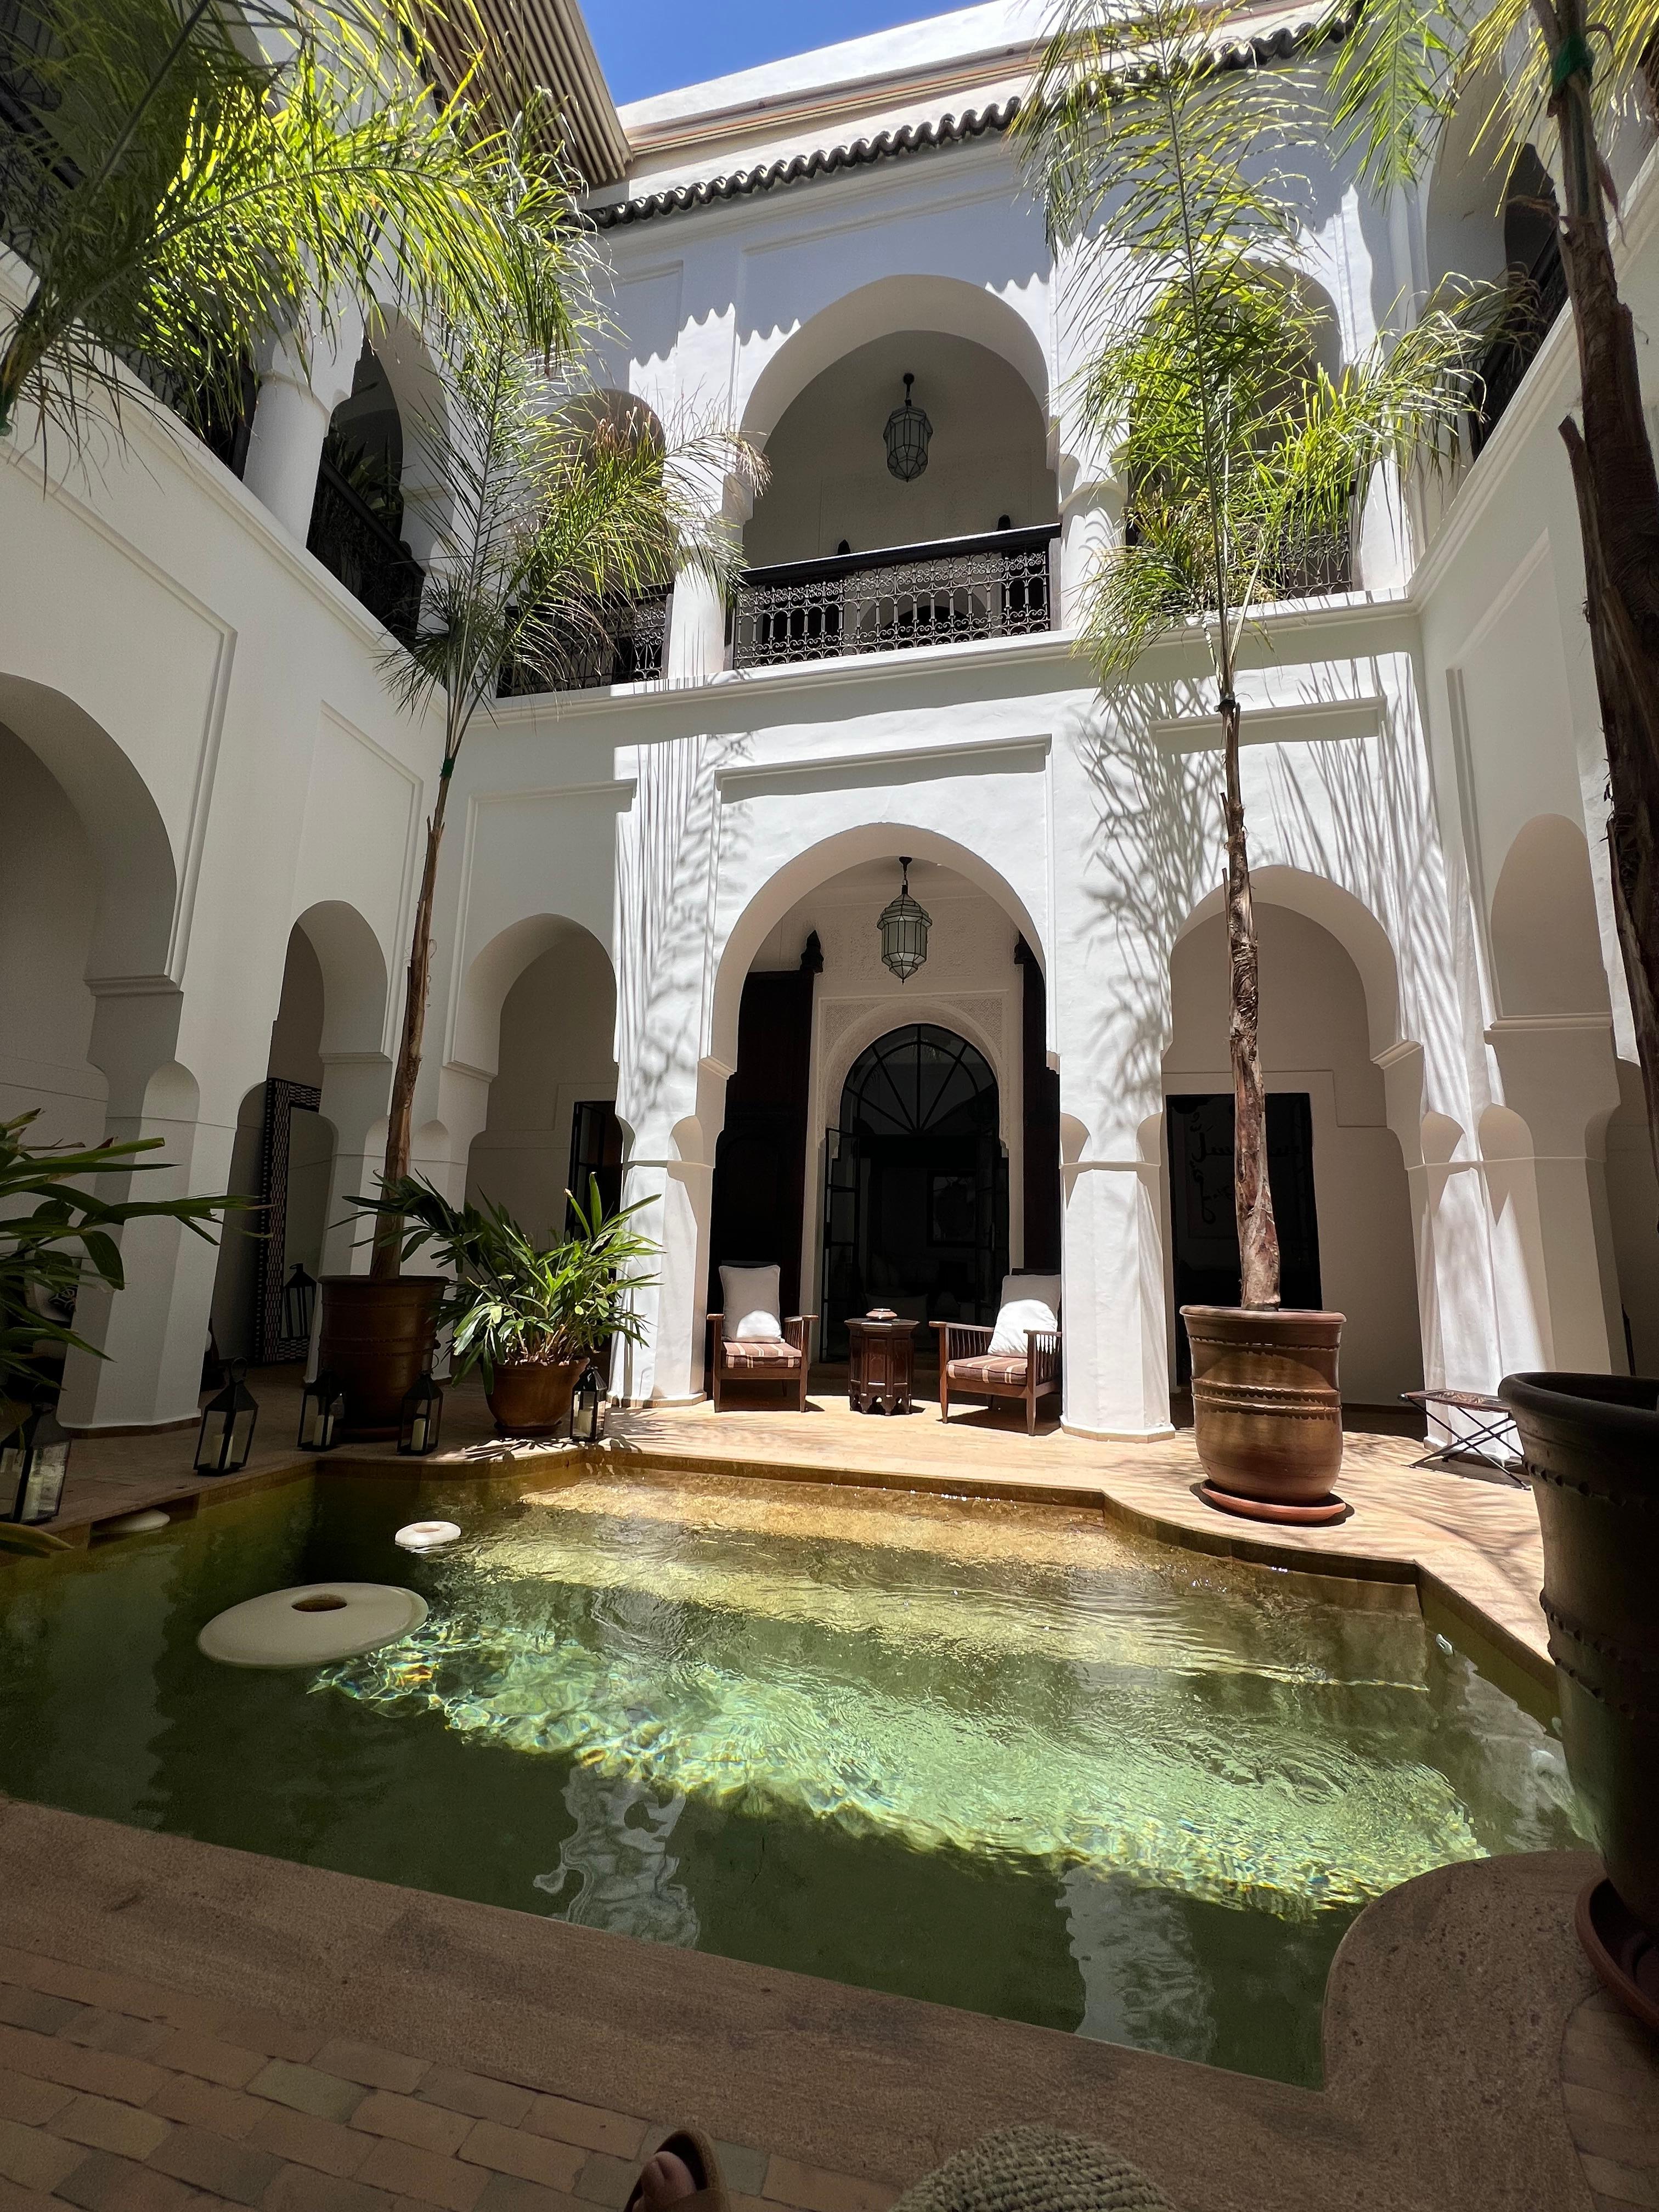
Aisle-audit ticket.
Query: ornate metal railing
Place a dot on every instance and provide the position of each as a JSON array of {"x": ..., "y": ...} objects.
[
  {"x": 1543, "y": 294},
  {"x": 354, "y": 544},
  {"x": 1310, "y": 563},
  {"x": 946, "y": 593},
  {"x": 630, "y": 652}
]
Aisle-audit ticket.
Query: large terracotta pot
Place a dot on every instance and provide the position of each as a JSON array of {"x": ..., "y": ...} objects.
[
  {"x": 1591, "y": 1447},
  {"x": 378, "y": 1339},
  {"x": 532, "y": 1398},
  {"x": 1267, "y": 1411}
]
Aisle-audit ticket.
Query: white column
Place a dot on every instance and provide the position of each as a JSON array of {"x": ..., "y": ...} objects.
[
  {"x": 1091, "y": 526},
  {"x": 695, "y": 646},
  {"x": 667, "y": 1369},
  {"x": 356, "y": 1086},
  {"x": 1114, "y": 1331},
  {"x": 299, "y": 391},
  {"x": 1456, "y": 1299}
]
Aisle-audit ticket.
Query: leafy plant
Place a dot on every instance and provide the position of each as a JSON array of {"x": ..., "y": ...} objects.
[
  {"x": 1169, "y": 183},
  {"x": 48, "y": 1250},
  {"x": 514, "y": 1301},
  {"x": 186, "y": 180},
  {"x": 553, "y": 511}
]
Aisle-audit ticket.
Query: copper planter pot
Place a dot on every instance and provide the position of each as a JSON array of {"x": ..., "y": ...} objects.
[
  {"x": 1267, "y": 1410},
  {"x": 532, "y": 1398},
  {"x": 1591, "y": 1448},
  {"x": 378, "y": 1338}
]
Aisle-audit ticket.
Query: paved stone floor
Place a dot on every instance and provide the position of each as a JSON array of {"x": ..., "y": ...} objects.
[
  {"x": 1610, "y": 2085},
  {"x": 125, "y": 2095}
]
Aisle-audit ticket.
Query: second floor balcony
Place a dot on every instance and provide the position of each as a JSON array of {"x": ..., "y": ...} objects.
[{"x": 950, "y": 591}]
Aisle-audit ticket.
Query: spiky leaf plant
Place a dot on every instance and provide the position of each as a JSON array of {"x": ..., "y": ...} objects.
[{"x": 1171, "y": 188}]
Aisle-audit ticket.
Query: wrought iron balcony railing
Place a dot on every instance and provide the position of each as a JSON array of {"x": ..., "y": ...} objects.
[
  {"x": 354, "y": 544},
  {"x": 946, "y": 593},
  {"x": 630, "y": 652},
  {"x": 1543, "y": 295}
]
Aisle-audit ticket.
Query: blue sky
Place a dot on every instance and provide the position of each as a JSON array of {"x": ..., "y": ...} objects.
[{"x": 654, "y": 46}]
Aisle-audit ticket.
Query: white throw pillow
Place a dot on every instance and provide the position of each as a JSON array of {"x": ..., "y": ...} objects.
[
  {"x": 750, "y": 1295},
  {"x": 1028, "y": 1302}
]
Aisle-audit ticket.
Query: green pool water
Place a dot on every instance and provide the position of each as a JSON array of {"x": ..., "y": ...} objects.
[{"x": 997, "y": 1756}]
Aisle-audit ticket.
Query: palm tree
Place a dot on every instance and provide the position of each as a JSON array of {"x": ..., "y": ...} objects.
[
  {"x": 185, "y": 181},
  {"x": 556, "y": 510},
  {"x": 1246, "y": 461},
  {"x": 1395, "y": 81}
]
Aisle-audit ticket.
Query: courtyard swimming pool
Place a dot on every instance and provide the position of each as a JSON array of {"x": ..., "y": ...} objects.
[{"x": 994, "y": 1755}]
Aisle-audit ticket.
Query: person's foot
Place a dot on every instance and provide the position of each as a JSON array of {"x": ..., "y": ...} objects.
[{"x": 664, "y": 2181}]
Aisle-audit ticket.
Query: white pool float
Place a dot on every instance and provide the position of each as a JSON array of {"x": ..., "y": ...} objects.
[
  {"x": 142, "y": 1524},
  {"x": 426, "y": 1535},
  {"x": 312, "y": 1623}
]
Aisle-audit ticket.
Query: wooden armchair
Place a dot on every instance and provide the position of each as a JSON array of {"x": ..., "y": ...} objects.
[
  {"x": 969, "y": 1367},
  {"x": 761, "y": 1359}
]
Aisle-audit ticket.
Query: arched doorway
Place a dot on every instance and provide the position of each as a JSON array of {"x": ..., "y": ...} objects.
[
  {"x": 915, "y": 1213},
  {"x": 357, "y": 516}
]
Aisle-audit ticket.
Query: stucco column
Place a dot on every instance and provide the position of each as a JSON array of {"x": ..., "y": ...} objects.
[
  {"x": 1091, "y": 525},
  {"x": 356, "y": 1086},
  {"x": 666, "y": 1369},
  {"x": 298, "y": 390},
  {"x": 1114, "y": 1334},
  {"x": 1457, "y": 1294},
  {"x": 154, "y": 1332},
  {"x": 694, "y": 648},
  {"x": 1546, "y": 1172}
]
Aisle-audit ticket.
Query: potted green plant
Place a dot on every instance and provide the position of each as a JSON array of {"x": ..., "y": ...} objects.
[
  {"x": 554, "y": 514},
  {"x": 1169, "y": 179},
  {"x": 54, "y": 1232},
  {"x": 530, "y": 1317}
]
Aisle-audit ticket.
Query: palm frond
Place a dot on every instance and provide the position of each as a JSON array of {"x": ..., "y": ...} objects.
[{"x": 1392, "y": 86}]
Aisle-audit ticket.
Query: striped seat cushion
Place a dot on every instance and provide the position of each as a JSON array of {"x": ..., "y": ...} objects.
[
  {"x": 760, "y": 1352},
  {"x": 980, "y": 1374}
]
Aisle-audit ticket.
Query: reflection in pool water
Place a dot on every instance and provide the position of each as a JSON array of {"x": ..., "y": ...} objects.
[{"x": 996, "y": 1755}]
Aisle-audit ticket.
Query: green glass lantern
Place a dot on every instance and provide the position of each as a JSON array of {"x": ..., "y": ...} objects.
[{"x": 906, "y": 435}]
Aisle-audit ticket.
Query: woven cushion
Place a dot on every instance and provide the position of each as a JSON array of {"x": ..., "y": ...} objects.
[
  {"x": 980, "y": 1374},
  {"x": 1035, "y": 2169},
  {"x": 760, "y": 1352},
  {"x": 750, "y": 1296}
]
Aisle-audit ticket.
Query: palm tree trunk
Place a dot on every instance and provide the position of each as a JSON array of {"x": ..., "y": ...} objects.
[
  {"x": 389, "y": 1228},
  {"x": 1253, "y": 1202},
  {"x": 1617, "y": 494}
]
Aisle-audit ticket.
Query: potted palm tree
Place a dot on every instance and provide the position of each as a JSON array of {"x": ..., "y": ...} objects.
[
  {"x": 185, "y": 184},
  {"x": 555, "y": 513},
  {"x": 1169, "y": 182},
  {"x": 532, "y": 1317}
]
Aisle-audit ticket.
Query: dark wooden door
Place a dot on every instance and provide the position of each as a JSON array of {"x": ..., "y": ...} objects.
[
  {"x": 759, "y": 1159},
  {"x": 1203, "y": 1227}
]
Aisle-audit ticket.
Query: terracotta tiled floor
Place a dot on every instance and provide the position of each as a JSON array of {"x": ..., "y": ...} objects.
[{"x": 125, "y": 2095}]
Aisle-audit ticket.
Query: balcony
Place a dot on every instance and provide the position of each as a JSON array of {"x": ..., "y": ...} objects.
[
  {"x": 628, "y": 648},
  {"x": 953, "y": 592},
  {"x": 355, "y": 543},
  {"x": 1543, "y": 294}
]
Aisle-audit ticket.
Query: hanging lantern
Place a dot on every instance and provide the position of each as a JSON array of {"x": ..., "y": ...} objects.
[
  {"x": 33, "y": 1461},
  {"x": 904, "y": 925},
  {"x": 227, "y": 1433},
  {"x": 299, "y": 1304},
  {"x": 906, "y": 435},
  {"x": 587, "y": 1408},
  {"x": 421, "y": 1419},
  {"x": 322, "y": 1411}
]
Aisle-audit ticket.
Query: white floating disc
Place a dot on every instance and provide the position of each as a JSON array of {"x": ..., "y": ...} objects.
[
  {"x": 426, "y": 1535},
  {"x": 312, "y": 1623},
  {"x": 143, "y": 1524}
]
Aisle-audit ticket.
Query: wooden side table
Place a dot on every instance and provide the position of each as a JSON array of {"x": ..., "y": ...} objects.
[{"x": 881, "y": 1365}]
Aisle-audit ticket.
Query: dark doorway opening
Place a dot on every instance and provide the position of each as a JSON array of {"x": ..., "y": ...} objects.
[
  {"x": 759, "y": 1198},
  {"x": 1204, "y": 1230},
  {"x": 915, "y": 1207},
  {"x": 596, "y": 1155}
]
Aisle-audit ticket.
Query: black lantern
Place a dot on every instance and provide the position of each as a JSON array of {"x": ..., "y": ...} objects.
[
  {"x": 587, "y": 1407},
  {"x": 421, "y": 1419},
  {"x": 906, "y": 435},
  {"x": 322, "y": 1411},
  {"x": 299, "y": 1304},
  {"x": 904, "y": 925},
  {"x": 227, "y": 1422},
  {"x": 33, "y": 1461}
]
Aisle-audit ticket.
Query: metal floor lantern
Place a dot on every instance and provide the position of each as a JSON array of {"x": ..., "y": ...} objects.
[
  {"x": 906, "y": 435},
  {"x": 226, "y": 1432},
  {"x": 421, "y": 1421},
  {"x": 33, "y": 1463},
  {"x": 904, "y": 925},
  {"x": 299, "y": 1304},
  {"x": 322, "y": 1410},
  {"x": 587, "y": 1407}
]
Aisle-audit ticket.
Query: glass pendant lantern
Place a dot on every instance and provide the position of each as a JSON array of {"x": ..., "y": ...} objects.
[
  {"x": 421, "y": 1419},
  {"x": 227, "y": 1432},
  {"x": 904, "y": 925},
  {"x": 588, "y": 1406},
  {"x": 322, "y": 1411},
  {"x": 33, "y": 1463},
  {"x": 906, "y": 435}
]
